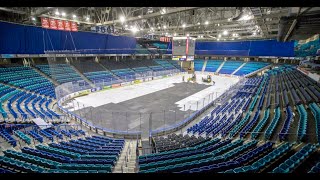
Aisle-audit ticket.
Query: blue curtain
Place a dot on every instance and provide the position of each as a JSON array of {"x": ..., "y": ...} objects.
[
  {"x": 19, "y": 39},
  {"x": 245, "y": 48}
]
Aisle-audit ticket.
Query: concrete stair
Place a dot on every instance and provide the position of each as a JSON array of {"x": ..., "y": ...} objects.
[
  {"x": 83, "y": 76},
  {"x": 109, "y": 71},
  {"x": 221, "y": 65},
  {"x": 127, "y": 159},
  {"x": 46, "y": 76},
  {"x": 238, "y": 68},
  {"x": 204, "y": 65}
]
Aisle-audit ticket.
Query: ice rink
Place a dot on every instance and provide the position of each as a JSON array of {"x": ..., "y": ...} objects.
[
  {"x": 126, "y": 93},
  {"x": 169, "y": 100}
]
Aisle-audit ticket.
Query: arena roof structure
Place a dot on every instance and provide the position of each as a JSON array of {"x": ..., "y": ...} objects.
[{"x": 204, "y": 23}]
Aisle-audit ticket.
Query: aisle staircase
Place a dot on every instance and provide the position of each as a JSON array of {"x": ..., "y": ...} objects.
[
  {"x": 46, "y": 76},
  {"x": 204, "y": 65},
  {"x": 82, "y": 76},
  {"x": 238, "y": 68},
  {"x": 114, "y": 75},
  {"x": 221, "y": 65},
  {"x": 127, "y": 159}
]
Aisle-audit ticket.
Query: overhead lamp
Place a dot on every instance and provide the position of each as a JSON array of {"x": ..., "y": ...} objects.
[
  {"x": 254, "y": 33},
  {"x": 183, "y": 25},
  {"x": 139, "y": 16},
  {"x": 163, "y": 11},
  {"x": 232, "y": 39},
  {"x": 246, "y": 17},
  {"x": 57, "y": 13},
  {"x": 206, "y": 23},
  {"x": 198, "y": 23},
  {"x": 63, "y": 14},
  {"x": 152, "y": 28},
  {"x": 122, "y": 19},
  {"x": 229, "y": 19},
  {"x": 175, "y": 34},
  {"x": 164, "y": 27},
  {"x": 188, "y": 34},
  {"x": 87, "y": 18},
  {"x": 158, "y": 27},
  {"x": 219, "y": 35},
  {"x": 126, "y": 25},
  {"x": 33, "y": 18},
  {"x": 218, "y": 39},
  {"x": 74, "y": 16},
  {"x": 134, "y": 29},
  {"x": 225, "y": 32}
]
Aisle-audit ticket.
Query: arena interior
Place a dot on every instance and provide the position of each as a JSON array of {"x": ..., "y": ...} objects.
[{"x": 159, "y": 90}]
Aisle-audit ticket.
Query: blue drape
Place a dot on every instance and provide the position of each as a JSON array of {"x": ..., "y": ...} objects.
[
  {"x": 20, "y": 39},
  {"x": 244, "y": 48}
]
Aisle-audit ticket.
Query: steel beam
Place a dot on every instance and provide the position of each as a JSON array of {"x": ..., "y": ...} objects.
[
  {"x": 12, "y": 10},
  {"x": 147, "y": 16}
]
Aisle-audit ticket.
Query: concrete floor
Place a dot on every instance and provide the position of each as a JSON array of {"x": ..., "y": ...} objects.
[
  {"x": 128, "y": 115},
  {"x": 168, "y": 100}
]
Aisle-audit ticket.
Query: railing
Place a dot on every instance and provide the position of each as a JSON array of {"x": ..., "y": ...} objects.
[
  {"x": 203, "y": 105},
  {"x": 67, "y": 91}
]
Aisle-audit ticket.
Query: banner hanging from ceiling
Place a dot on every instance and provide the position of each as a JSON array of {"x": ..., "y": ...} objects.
[
  {"x": 165, "y": 39},
  {"x": 58, "y": 24}
]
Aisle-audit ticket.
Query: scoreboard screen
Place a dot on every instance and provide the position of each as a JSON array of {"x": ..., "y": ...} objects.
[{"x": 183, "y": 48}]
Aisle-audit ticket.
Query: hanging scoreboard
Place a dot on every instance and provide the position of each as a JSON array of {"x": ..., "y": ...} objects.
[{"x": 183, "y": 48}]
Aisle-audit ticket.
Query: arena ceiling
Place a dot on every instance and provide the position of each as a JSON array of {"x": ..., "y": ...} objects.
[{"x": 204, "y": 23}]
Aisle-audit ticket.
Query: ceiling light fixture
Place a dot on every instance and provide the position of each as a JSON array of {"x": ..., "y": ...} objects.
[
  {"x": 134, "y": 29},
  {"x": 246, "y": 17},
  {"x": 163, "y": 11},
  {"x": 206, "y": 23},
  {"x": 225, "y": 32},
  {"x": 122, "y": 19}
]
